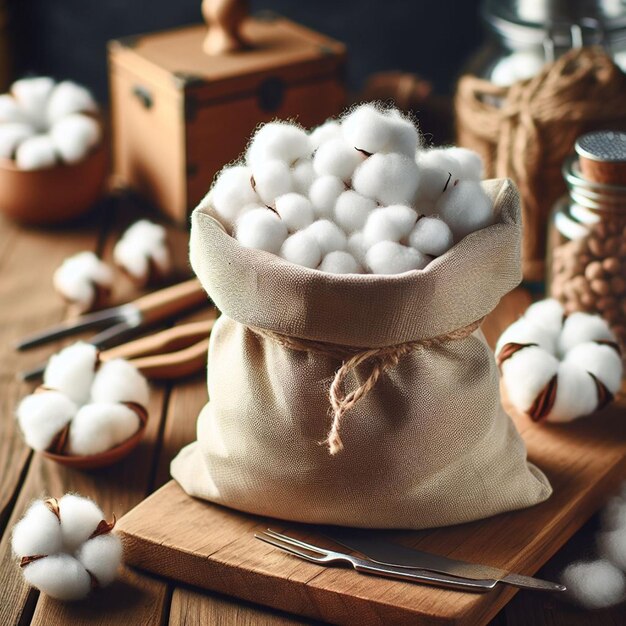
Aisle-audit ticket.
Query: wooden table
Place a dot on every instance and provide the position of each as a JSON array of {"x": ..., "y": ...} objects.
[{"x": 27, "y": 302}]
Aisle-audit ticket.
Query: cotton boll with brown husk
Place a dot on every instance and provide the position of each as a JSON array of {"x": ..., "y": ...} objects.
[
  {"x": 327, "y": 131},
  {"x": 143, "y": 252},
  {"x": 11, "y": 136},
  {"x": 329, "y": 237},
  {"x": 431, "y": 236},
  {"x": 74, "y": 136},
  {"x": 525, "y": 332},
  {"x": 388, "y": 178},
  {"x": 595, "y": 584},
  {"x": 36, "y": 153},
  {"x": 352, "y": 210},
  {"x": 600, "y": 361},
  {"x": 72, "y": 370},
  {"x": 68, "y": 98},
  {"x": 278, "y": 141},
  {"x": 466, "y": 208},
  {"x": 340, "y": 262},
  {"x": 337, "y": 158},
  {"x": 231, "y": 192},
  {"x": 576, "y": 394},
  {"x": 302, "y": 248},
  {"x": 547, "y": 314},
  {"x": 581, "y": 328},
  {"x": 295, "y": 211},
  {"x": 323, "y": 194},
  {"x": 66, "y": 547},
  {"x": 389, "y": 257},
  {"x": 392, "y": 223},
  {"x": 84, "y": 280},
  {"x": 262, "y": 229},
  {"x": 272, "y": 179},
  {"x": 119, "y": 381}
]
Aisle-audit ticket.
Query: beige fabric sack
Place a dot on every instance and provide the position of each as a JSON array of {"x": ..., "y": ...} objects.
[{"x": 428, "y": 445}]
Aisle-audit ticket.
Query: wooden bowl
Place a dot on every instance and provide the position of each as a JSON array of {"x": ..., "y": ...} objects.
[{"x": 54, "y": 194}]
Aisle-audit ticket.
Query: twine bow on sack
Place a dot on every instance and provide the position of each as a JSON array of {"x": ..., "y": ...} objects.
[{"x": 378, "y": 359}]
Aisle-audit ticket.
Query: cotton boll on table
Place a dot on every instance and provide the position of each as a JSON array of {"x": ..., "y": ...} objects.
[
  {"x": 595, "y": 584},
  {"x": 262, "y": 229}
]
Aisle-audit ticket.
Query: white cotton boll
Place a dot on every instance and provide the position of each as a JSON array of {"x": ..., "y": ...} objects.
[
  {"x": 101, "y": 426},
  {"x": 582, "y": 328},
  {"x": 272, "y": 179},
  {"x": 432, "y": 183},
  {"x": 388, "y": 178},
  {"x": 303, "y": 176},
  {"x": 68, "y": 98},
  {"x": 327, "y": 131},
  {"x": 337, "y": 158},
  {"x": 340, "y": 262},
  {"x": 614, "y": 514},
  {"x": 328, "y": 235},
  {"x": 594, "y": 584},
  {"x": 295, "y": 210},
  {"x": 301, "y": 248},
  {"x": 79, "y": 518},
  {"x": 261, "y": 229},
  {"x": 279, "y": 141},
  {"x": 60, "y": 576},
  {"x": 38, "y": 532},
  {"x": 11, "y": 136},
  {"x": 465, "y": 207},
  {"x": 356, "y": 247},
  {"x": 142, "y": 245},
  {"x": 612, "y": 546},
  {"x": 389, "y": 257},
  {"x": 600, "y": 360},
  {"x": 77, "y": 275},
  {"x": 101, "y": 556},
  {"x": 576, "y": 394},
  {"x": 431, "y": 236},
  {"x": 119, "y": 381},
  {"x": 42, "y": 416},
  {"x": 32, "y": 94},
  {"x": 72, "y": 370},
  {"x": 469, "y": 162},
  {"x": 526, "y": 374},
  {"x": 547, "y": 314},
  {"x": 36, "y": 153},
  {"x": 391, "y": 223},
  {"x": 323, "y": 194},
  {"x": 525, "y": 331},
  {"x": 11, "y": 112},
  {"x": 74, "y": 136},
  {"x": 352, "y": 210},
  {"x": 231, "y": 192}
]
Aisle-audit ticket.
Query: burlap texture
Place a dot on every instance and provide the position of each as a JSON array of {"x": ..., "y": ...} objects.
[{"x": 429, "y": 446}]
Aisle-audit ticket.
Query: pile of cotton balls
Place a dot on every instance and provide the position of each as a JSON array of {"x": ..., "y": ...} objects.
[
  {"x": 83, "y": 408},
  {"x": 66, "y": 547},
  {"x": 358, "y": 194},
  {"x": 558, "y": 368},
  {"x": 43, "y": 123}
]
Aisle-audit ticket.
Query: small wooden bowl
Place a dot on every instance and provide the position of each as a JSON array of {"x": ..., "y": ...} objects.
[{"x": 54, "y": 194}]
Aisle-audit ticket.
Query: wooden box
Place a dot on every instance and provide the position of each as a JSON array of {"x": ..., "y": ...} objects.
[{"x": 179, "y": 115}]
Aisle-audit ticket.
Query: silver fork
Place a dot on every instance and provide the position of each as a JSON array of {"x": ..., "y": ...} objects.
[{"x": 322, "y": 556}]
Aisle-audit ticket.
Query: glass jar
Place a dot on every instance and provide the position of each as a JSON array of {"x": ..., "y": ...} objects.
[
  {"x": 587, "y": 243},
  {"x": 525, "y": 34}
]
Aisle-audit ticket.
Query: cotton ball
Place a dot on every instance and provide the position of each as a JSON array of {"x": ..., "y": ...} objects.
[
  {"x": 60, "y": 576},
  {"x": 303, "y": 176},
  {"x": 356, "y": 247},
  {"x": 68, "y": 98},
  {"x": 389, "y": 257},
  {"x": 38, "y": 532},
  {"x": 295, "y": 211},
  {"x": 71, "y": 371},
  {"x": 119, "y": 381},
  {"x": 389, "y": 178},
  {"x": 11, "y": 136},
  {"x": 612, "y": 546},
  {"x": 328, "y": 235},
  {"x": 600, "y": 360},
  {"x": 340, "y": 262},
  {"x": 470, "y": 163},
  {"x": 352, "y": 210},
  {"x": 32, "y": 95},
  {"x": 614, "y": 514},
  {"x": 79, "y": 519},
  {"x": 301, "y": 248},
  {"x": 36, "y": 153},
  {"x": 526, "y": 374},
  {"x": 582, "y": 328},
  {"x": 80, "y": 276},
  {"x": 101, "y": 557},
  {"x": 594, "y": 584},
  {"x": 323, "y": 194},
  {"x": 576, "y": 394},
  {"x": 261, "y": 229},
  {"x": 74, "y": 136},
  {"x": 432, "y": 183},
  {"x": 526, "y": 331},
  {"x": 278, "y": 141},
  {"x": 101, "y": 426},
  {"x": 547, "y": 314},
  {"x": 272, "y": 179},
  {"x": 465, "y": 207},
  {"x": 391, "y": 223},
  {"x": 231, "y": 192},
  {"x": 431, "y": 236},
  {"x": 327, "y": 131},
  {"x": 336, "y": 158},
  {"x": 42, "y": 416},
  {"x": 11, "y": 112}
]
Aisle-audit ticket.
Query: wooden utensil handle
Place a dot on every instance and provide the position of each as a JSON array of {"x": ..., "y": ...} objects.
[
  {"x": 167, "y": 302},
  {"x": 224, "y": 18}
]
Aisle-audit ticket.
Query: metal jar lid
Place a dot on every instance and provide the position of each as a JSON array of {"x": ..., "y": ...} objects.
[{"x": 602, "y": 156}]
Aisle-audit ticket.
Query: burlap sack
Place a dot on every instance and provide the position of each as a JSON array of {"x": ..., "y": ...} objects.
[{"x": 428, "y": 445}]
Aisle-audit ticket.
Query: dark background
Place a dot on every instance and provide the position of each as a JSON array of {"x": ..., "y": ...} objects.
[{"x": 67, "y": 38}]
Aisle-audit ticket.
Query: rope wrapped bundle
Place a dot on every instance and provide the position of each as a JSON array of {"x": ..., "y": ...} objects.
[{"x": 525, "y": 131}]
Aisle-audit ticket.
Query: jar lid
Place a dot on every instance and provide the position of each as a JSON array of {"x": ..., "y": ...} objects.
[{"x": 607, "y": 146}]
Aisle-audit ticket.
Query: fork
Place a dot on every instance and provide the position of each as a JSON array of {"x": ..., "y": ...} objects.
[{"x": 323, "y": 556}]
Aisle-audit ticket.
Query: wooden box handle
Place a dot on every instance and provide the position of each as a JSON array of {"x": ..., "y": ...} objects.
[{"x": 224, "y": 18}]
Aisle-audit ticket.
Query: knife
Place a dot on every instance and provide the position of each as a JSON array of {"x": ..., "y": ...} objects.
[{"x": 385, "y": 552}]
